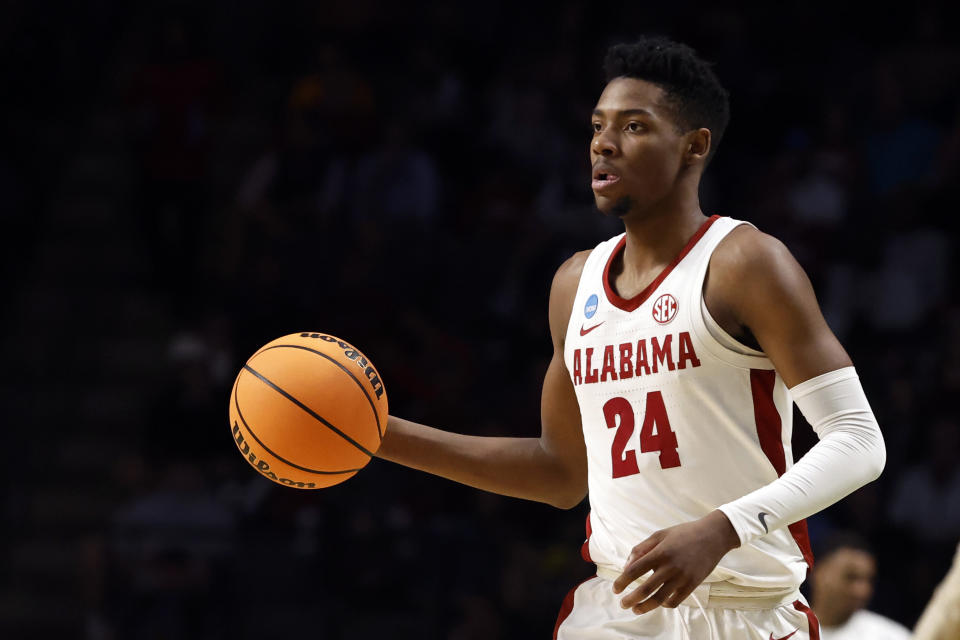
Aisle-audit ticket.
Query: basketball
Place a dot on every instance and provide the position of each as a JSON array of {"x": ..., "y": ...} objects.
[{"x": 308, "y": 410}]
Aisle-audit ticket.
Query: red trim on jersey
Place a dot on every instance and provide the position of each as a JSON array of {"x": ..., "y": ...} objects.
[
  {"x": 640, "y": 298},
  {"x": 585, "y": 549},
  {"x": 799, "y": 532},
  {"x": 567, "y": 607},
  {"x": 811, "y": 619},
  {"x": 767, "y": 418},
  {"x": 769, "y": 432}
]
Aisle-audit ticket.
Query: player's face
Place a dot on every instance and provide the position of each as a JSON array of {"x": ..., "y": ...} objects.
[
  {"x": 845, "y": 579},
  {"x": 637, "y": 150}
]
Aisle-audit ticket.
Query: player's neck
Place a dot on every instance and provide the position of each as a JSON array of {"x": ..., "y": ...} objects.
[{"x": 655, "y": 237}]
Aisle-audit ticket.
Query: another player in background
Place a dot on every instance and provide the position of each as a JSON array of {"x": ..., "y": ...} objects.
[
  {"x": 842, "y": 582},
  {"x": 679, "y": 348},
  {"x": 940, "y": 619}
]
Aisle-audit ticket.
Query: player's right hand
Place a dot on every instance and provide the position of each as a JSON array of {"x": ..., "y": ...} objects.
[{"x": 680, "y": 557}]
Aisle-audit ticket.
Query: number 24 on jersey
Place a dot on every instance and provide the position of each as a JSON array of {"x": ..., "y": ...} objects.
[{"x": 655, "y": 434}]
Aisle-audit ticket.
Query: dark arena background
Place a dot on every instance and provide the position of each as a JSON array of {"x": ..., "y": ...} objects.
[{"x": 182, "y": 182}]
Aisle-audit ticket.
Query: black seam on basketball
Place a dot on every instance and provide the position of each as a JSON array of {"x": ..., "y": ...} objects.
[
  {"x": 345, "y": 370},
  {"x": 236, "y": 402},
  {"x": 313, "y": 413}
]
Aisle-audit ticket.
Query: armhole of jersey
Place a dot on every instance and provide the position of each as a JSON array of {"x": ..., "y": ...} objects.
[
  {"x": 721, "y": 344},
  {"x": 720, "y": 334},
  {"x": 598, "y": 255}
]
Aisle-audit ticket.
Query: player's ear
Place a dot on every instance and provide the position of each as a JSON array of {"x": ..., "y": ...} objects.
[{"x": 697, "y": 145}]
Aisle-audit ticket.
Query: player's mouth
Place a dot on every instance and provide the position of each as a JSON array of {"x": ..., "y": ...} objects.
[{"x": 603, "y": 179}]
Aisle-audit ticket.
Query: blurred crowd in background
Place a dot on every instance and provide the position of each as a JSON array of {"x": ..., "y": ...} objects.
[{"x": 183, "y": 182}]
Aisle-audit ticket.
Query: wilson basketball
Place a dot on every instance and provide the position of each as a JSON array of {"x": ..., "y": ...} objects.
[{"x": 308, "y": 410}]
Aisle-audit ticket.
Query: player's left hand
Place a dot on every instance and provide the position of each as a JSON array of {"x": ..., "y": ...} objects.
[{"x": 680, "y": 558}]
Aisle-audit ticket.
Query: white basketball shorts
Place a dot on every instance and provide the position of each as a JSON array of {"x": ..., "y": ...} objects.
[{"x": 592, "y": 611}]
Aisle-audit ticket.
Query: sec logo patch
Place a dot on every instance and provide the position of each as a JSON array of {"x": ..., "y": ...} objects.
[{"x": 665, "y": 308}]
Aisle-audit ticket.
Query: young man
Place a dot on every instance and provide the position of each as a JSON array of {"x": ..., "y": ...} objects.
[
  {"x": 842, "y": 587},
  {"x": 679, "y": 347}
]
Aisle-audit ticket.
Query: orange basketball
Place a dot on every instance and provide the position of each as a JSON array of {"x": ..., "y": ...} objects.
[{"x": 308, "y": 410}]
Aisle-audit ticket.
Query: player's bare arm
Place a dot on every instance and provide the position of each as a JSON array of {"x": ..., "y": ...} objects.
[
  {"x": 755, "y": 287},
  {"x": 757, "y": 291},
  {"x": 550, "y": 469}
]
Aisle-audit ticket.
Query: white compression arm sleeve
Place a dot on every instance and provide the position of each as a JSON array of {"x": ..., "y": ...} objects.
[{"x": 850, "y": 454}]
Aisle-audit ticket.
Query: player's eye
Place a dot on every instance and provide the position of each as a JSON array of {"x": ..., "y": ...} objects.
[
  {"x": 597, "y": 127},
  {"x": 635, "y": 127}
]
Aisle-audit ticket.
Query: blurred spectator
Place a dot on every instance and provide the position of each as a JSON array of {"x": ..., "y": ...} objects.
[
  {"x": 913, "y": 277},
  {"x": 180, "y": 514},
  {"x": 397, "y": 182},
  {"x": 901, "y": 146},
  {"x": 173, "y": 98},
  {"x": 166, "y": 548},
  {"x": 926, "y": 496},
  {"x": 200, "y": 367},
  {"x": 842, "y": 582}
]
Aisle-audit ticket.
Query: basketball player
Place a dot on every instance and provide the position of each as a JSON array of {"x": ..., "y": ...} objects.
[
  {"x": 940, "y": 619},
  {"x": 679, "y": 348}
]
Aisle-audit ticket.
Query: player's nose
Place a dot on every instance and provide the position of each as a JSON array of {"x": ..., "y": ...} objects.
[{"x": 604, "y": 144}]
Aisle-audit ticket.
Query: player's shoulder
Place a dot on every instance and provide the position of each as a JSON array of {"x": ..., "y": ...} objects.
[
  {"x": 570, "y": 271},
  {"x": 563, "y": 291},
  {"x": 747, "y": 257},
  {"x": 751, "y": 273},
  {"x": 566, "y": 280},
  {"x": 745, "y": 248}
]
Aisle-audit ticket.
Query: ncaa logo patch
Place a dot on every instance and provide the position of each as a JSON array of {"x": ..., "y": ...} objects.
[
  {"x": 590, "y": 309},
  {"x": 665, "y": 308}
]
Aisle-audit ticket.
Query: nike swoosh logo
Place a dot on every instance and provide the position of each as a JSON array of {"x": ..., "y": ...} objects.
[
  {"x": 784, "y": 637},
  {"x": 762, "y": 515},
  {"x": 584, "y": 332}
]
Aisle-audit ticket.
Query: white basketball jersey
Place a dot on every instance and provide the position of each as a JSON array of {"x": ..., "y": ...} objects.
[{"x": 678, "y": 418}]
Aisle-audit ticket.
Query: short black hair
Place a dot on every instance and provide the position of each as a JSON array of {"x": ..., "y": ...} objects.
[
  {"x": 842, "y": 539},
  {"x": 692, "y": 88}
]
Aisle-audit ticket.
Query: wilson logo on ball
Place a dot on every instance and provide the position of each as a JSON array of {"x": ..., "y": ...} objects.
[
  {"x": 665, "y": 308},
  {"x": 352, "y": 354},
  {"x": 262, "y": 465}
]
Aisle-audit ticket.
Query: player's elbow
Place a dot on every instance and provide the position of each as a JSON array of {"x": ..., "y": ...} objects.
[
  {"x": 568, "y": 499},
  {"x": 871, "y": 457},
  {"x": 877, "y": 459},
  {"x": 568, "y": 488},
  {"x": 561, "y": 475},
  {"x": 574, "y": 489}
]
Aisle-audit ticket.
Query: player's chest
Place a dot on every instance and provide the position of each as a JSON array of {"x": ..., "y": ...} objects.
[{"x": 609, "y": 345}]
